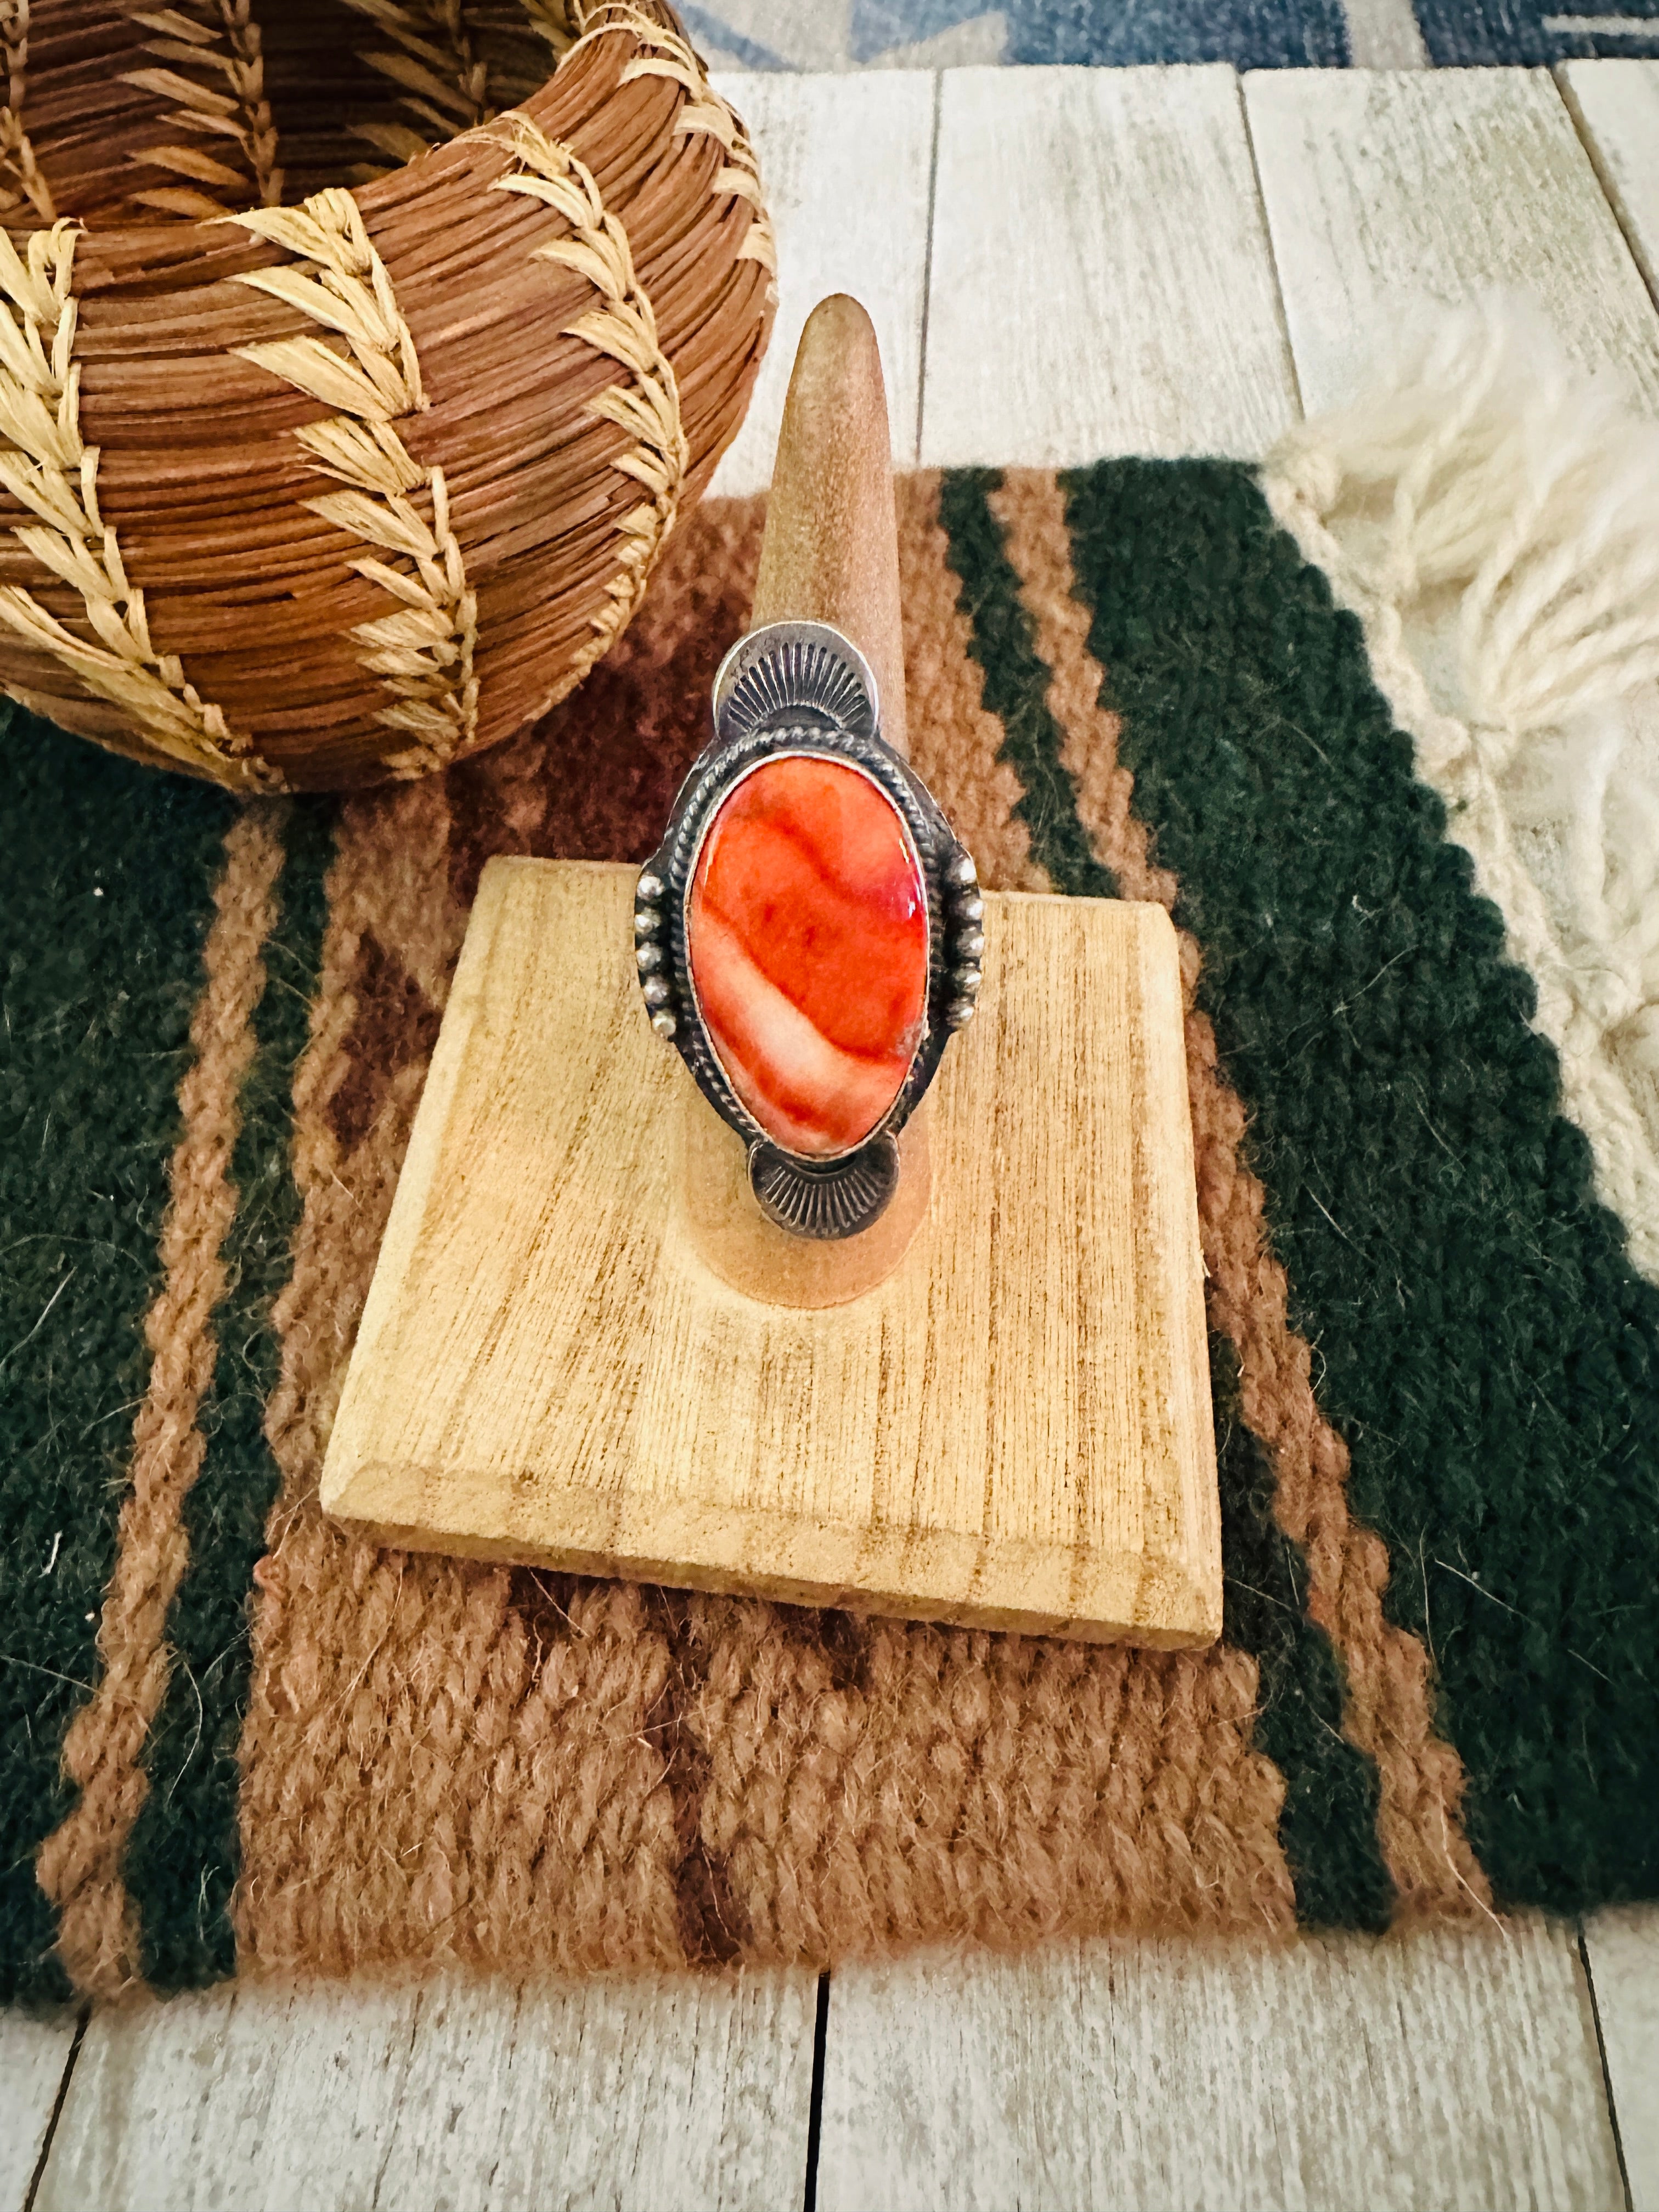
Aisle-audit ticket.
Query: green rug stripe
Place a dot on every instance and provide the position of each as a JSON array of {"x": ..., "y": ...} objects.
[
  {"x": 1016, "y": 688},
  {"x": 183, "y": 1858},
  {"x": 105, "y": 899},
  {"x": 1329, "y": 1825},
  {"x": 1481, "y": 1341}
]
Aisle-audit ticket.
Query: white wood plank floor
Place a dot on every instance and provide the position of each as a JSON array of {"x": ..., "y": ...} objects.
[
  {"x": 34, "y": 2060},
  {"x": 1383, "y": 192},
  {"x": 1616, "y": 104},
  {"x": 1347, "y": 2076},
  {"x": 637, "y": 2094},
  {"x": 1101, "y": 282},
  {"x": 849, "y": 184},
  {"x": 1060, "y": 264},
  {"x": 1621, "y": 1952}
]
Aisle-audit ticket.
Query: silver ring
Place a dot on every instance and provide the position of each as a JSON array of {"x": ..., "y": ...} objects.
[{"x": 807, "y": 936}]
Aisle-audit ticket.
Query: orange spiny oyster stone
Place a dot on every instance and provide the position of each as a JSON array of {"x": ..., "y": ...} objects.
[{"x": 806, "y": 934}]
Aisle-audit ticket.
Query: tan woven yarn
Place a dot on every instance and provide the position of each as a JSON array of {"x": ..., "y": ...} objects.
[{"x": 357, "y": 358}]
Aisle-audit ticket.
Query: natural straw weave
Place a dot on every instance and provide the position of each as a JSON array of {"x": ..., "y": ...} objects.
[{"x": 355, "y": 363}]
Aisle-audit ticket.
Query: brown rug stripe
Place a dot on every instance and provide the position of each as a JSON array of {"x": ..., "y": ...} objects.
[
  {"x": 79, "y": 1865},
  {"x": 879, "y": 1784},
  {"x": 1388, "y": 1701}
]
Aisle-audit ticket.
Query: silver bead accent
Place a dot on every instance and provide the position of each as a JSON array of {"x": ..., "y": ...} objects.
[
  {"x": 970, "y": 945},
  {"x": 959, "y": 1013},
  {"x": 647, "y": 957},
  {"x": 648, "y": 890},
  {"x": 664, "y": 1023},
  {"x": 962, "y": 871},
  {"x": 658, "y": 992},
  {"x": 646, "y": 922},
  {"x": 966, "y": 980},
  {"x": 971, "y": 910}
]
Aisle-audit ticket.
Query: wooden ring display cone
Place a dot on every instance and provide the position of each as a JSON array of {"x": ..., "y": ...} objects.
[{"x": 585, "y": 1348}]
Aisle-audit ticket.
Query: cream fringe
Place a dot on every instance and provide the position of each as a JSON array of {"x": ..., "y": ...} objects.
[{"x": 1492, "y": 517}]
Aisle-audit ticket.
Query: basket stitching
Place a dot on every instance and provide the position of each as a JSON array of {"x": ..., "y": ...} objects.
[
  {"x": 45, "y": 466},
  {"x": 423, "y": 653},
  {"x": 669, "y": 55},
  {"x": 16, "y": 153},
  {"x": 623, "y": 327},
  {"x": 220, "y": 38}
]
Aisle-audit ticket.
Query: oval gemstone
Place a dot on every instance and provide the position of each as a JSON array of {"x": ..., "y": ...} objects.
[{"x": 806, "y": 932}]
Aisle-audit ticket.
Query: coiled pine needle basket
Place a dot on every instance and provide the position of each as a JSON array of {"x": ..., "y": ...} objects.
[{"x": 357, "y": 357}]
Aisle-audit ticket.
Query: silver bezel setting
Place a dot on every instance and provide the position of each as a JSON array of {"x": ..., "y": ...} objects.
[{"x": 801, "y": 690}]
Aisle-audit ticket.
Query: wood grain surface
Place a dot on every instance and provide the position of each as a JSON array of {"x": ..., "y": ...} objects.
[
  {"x": 1447, "y": 2069},
  {"x": 1385, "y": 192},
  {"x": 1616, "y": 107},
  {"x": 1012, "y": 1430},
  {"x": 847, "y": 177},
  {"x": 651, "y": 2095},
  {"x": 34, "y": 2055},
  {"x": 1621, "y": 1949},
  {"x": 831, "y": 550},
  {"x": 1101, "y": 282}
]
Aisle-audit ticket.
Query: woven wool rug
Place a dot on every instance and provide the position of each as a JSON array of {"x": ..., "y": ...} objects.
[{"x": 1379, "y": 730}]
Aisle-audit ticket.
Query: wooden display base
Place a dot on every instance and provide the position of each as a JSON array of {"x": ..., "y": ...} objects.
[{"x": 1011, "y": 1430}]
